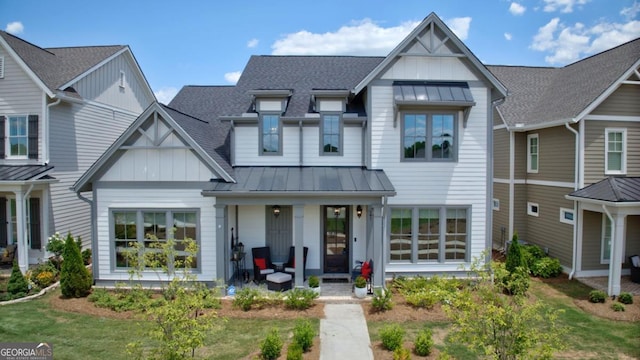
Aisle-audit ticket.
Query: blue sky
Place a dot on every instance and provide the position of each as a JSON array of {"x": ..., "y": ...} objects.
[{"x": 192, "y": 42}]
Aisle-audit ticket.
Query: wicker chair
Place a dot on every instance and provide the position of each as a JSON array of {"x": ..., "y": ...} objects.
[
  {"x": 262, "y": 265},
  {"x": 290, "y": 265}
]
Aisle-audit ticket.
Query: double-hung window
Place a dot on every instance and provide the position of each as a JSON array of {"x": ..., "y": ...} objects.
[
  {"x": 17, "y": 137},
  {"x": 429, "y": 136},
  {"x": 533, "y": 151},
  {"x": 331, "y": 130},
  {"x": 615, "y": 151},
  {"x": 270, "y": 135}
]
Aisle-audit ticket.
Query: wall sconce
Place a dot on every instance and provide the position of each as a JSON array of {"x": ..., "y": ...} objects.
[
  {"x": 276, "y": 210},
  {"x": 359, "y": 211},
  {"x": 336, "y": 211}
]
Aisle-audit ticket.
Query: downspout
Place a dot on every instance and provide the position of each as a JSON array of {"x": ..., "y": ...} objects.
[
  {"x": 94, "y": 245},
  {"x": 576, "y": 174},
  {"x": 45, "y": 130}
]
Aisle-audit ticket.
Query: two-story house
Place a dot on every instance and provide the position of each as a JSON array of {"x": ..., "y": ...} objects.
[
  {"x": 355, "y": 158},
  {"x": 567, "y": 161},
  {"x": 60, "y": 108}
]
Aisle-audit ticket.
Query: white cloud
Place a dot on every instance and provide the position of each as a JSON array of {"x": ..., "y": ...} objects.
[
  {"x": 564, "y": 6},
  {"x": 252, "y": 43},
  {"x": 15, "y": 27},
  {"x": 508, "y": 36},
  {"x": 566, "y": 44},
  {"x": 232, "y": 77},
  {"x": 516, "y": 9},
  {"x": 631, "y": 12},
  {"x": 460, "y": 26},
  {"x": 166, "y": 94}
]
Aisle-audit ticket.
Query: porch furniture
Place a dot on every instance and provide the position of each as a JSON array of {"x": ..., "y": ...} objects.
[
  {"x": 262, "y": 265},
  {"x": 635, "y": 268},
  {"x": 290, "y": 265},
  {"x": 8, "y": 254},
  {"x": 237, "y": 259},
  {"x": 364, "y": 269},
  {"x": 279, "y": 281}
]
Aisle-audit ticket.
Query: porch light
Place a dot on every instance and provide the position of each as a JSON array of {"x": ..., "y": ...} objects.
[
  {"x": 336, "y": 211},
  {"x": 276, "y": 210},
  {"x": 359, "y": 211}
]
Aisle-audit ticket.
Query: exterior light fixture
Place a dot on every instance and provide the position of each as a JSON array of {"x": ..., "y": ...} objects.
[
  {"x": 359, "y": 211},
  {"x": 336, "y": 211},
  {"x": 276, "y": 210}
]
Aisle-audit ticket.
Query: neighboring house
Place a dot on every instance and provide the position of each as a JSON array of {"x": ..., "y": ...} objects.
[
  {"x": 355, "y": 158},
  {"x": 60, "y": 108},
  {"x": 571, "y": 130}
]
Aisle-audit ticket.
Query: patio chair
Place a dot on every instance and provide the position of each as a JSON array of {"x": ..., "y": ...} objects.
[
  {"x": 635, "y": 268},
  {"x": 290, "y": 265},
  {"x": 262, "y": 265},
  {"x": 8, "y": 255}
]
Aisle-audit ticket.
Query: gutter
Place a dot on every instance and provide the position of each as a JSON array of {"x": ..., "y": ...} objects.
[
  {"x": 46, "y": 129},
  {"x": 576, "y": 176},
  {"x": 94, "y": 240}
]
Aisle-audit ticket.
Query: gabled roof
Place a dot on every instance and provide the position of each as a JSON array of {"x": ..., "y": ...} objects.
[
  {"x": 611, "y": 190},
  {"x": 540, "y": 96}
]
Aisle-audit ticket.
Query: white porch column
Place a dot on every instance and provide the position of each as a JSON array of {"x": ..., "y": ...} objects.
[
  {"x": 378, "y": 244},
  {"x": 298, "y": 243},
  {"x": 23, "y": 247},
  {"x": 222, "y": 257},
  {"x": 44, "y": 213},
  {"x": 615, "y": 263}
]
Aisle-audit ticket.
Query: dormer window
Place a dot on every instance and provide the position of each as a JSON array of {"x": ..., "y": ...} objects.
[
  {"x": 331, "y": 130},
  {"x": 270, "y": 134}
]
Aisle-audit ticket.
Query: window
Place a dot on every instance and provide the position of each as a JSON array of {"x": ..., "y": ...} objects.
[
  {"x": 496, "y": 204},
  {"x": 271, "y": 135},
  {"x": 615, "y": 151},
  {"x": 148, "y": 228},
  {"x": 331, "y": 130},
  {"x": 605, "y": 253},
  {"x": 533, "y": 209},
  {"x": 566, "y": 216},
  {"x": 533, "y": 150},
  {"x": 17, "y": 137},
  {"x": 429, "y": 137},
  {"x": 435, "y": 234}
]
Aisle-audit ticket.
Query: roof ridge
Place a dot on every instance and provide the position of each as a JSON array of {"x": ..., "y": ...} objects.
[
  {"x": 602, "y": 52},
  {"x": 614, "y": 187},
  {"x": 183, "y": 113},
  {"x": 28, "y": 43},
  {"x": 324, "y": 56},
  {"x": 83, "y": 47},
  {"x": 525, "y": 66}
]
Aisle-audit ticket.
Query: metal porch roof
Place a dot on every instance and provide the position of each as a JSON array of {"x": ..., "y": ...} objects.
[
  {"x": 438, "y": 92},
  {"x": 612, "y": 189},
  {"x": 23, "y": 172}
]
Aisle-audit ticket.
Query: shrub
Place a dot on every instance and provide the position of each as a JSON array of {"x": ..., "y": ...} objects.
[
  {"x": 625, "y": 298},
  {"x": 44, "y": 279},
  {"x": 422, "y": 299},
  {"x": 514, "y": 255},
  {"x": 314, "y": 282},
  {"x": 597, "y": 296},
  {"x": 18, "y": 285},
  {"x": 75, "y": 279},
  {"x": 50, "y": 271},
  {"x": 271, "y": 346},
  {"x": 401, "y": 353},
  {"x": 360, "y": 282},
  {"x": 381, "y": 300},
  {"x": 424, "y": 342},
  {"x": 245, "y": 298},
  {"x": 512, "y": 283},
  {"x": 300, "y": 299},
  {"x": 546, "y": 267},
  {"x": 86, "y": 256},
  {"x": 392, "y": 336},
  {"x": 294, "y": 352},
  {"x": 55, "y": 244},
  {"x": 303, "y": 334},
  {"x": 531, "y": 254},
  {"x": 617, "y": 306}
]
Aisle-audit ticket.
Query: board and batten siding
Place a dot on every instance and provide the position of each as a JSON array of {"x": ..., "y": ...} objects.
[
  {"x": 625, "y": 101},
  {"x": 139, "y": 199},
  {"x": 434, "y": 68},
  {"x": 556, "y": 154},
  {"x": 546, "y": 230},
  {"x": 501, "y": 154},
  {"x": 594, "y": 148},
  {"x": 103, "y": 85},
  {"x": 501, "y": 216}
]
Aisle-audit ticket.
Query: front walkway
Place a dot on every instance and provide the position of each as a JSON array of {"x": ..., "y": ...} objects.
[
  {"x": 344, "y": 333},
  {"x": 602, "y": 283}
]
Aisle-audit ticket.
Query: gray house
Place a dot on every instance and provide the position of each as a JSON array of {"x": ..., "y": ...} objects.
[
  {"x": 567, "y": 161},
  {"x": 60, "y": 108}
]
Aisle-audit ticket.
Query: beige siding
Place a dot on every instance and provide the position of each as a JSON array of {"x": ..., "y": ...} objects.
[
  {"x": 546, "y": 230},
  {"x": 556, "y": 147},
  {"x": 520, "y": 165},
  {"x": 594, "y": 151},
  {"x": 624, "y": 101},
  {"x": 501, "y": 217},
  {"x": 592, "y": 241},
  {"x": 501, "y": 154},
  {"x": 520, "y": 210},
  {"x": 497, "y": 120}
]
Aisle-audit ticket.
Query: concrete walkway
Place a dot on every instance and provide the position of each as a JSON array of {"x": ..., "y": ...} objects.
[{"x": 344, "y": 333}]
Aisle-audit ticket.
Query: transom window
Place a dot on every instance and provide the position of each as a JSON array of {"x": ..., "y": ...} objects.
[
  {"x": 148, "y": 229},
  {"x": 429, "y": 136},
  {"x": 17, "y": 136},
  {"x": 331, "y": 134},
  {"x": 271, "y": 135},
  {"x": 533, "y": 149},
  {"x": 615, "y": 151},
  {"x": 436, "y": 234}
]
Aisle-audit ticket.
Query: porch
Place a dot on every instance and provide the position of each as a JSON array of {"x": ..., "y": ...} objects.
[{"x": 602, "y": 283}]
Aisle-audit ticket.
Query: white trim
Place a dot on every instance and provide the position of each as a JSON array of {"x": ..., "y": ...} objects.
[
  {"x": 530, "y": 209},
  {"x": 612, "y": 118},
  {"x": 563, "y": 217},
  {"x": 529, "y": 138},
  {"x": 7, "y": 137},
  {"x": 122, "y": 80},
  {"x": 623, "y": 155},
  {"x": 561, "y": 184},
  {"x": 495, "y": 204},
  {"x": 512, "y": 188},
  {"x": 501, "y": 181},
  {"x": 603, "y": 246},
  {"x": 499, "y": 127}
]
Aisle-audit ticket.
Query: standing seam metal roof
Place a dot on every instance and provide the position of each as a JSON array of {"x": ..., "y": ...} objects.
[{"x": 612, "y": 189}]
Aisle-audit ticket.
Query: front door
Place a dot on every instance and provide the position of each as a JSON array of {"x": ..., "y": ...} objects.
[
  {"x": 279, "y": 234},
  {"x": 336, "y": 239}
]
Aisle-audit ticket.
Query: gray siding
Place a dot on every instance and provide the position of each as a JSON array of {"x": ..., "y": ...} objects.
[
  {"x": 556, "y": 155},
  {"x": 591, "y": 241},
  {"x": 624, "y": 101},
  {"x": 520, "y": 210},
  {"x": 594, "y": 151},
  {"x": 501, "y": 154},
  {"x": 501, "y": 217},
  {"x": 546, "y": 230}
]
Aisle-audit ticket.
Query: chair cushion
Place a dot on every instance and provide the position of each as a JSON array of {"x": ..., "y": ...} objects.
[
  {"x": 261, "y": 263},
  {"x": 289, "y": 270},
  {"x": 266, "y": 271},
  {"x": 278, "y": 277}
]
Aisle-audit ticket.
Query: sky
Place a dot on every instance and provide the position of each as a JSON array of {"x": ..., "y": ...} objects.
[{"x": 198, "y": 42}]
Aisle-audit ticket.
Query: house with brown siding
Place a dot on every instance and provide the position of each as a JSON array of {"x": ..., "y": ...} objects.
[{"x": 567, "y": 160}]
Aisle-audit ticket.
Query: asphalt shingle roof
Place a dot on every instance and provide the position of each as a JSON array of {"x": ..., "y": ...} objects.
[{"x": 612, "y": 189}]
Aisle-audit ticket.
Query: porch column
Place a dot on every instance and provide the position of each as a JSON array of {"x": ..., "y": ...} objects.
[
  {"x": 23, "y": 247},
  {"x": 221, "y": 255},
  {"x": 615, "y": 263},
  {"x": 298, "y": 242},
  {"x": 378, "y": 244}
]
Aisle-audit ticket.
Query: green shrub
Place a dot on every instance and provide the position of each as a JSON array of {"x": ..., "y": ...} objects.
[
  {"x": 424, "y": 342},
  {"x": 512, "y": 283},
  {"x": 18, "y": 285},
  {"x": 75, "y": 279},
  {"x": 50, "y": 274},
  {"x": 123, "y": 299},
  {"x": 401, "y": 353},
  {"x": 421, "y": 299},
  {"x": 300, "y": 299},
  {"x": 546, "y": 268},
  {"x": 392, "y": 336},
  {"x": 617, "y": 306},
  {"x": 86, "y": 256},
  {"x": 360, "y": 282},
  {"x": 55, "y": 244},
  {"x": 294, "y": 352},
  {"x": 514, "y": 255},
  {"x": 303, "y": 334},
  {"x": 245, "y": 298},
  {"x": 314, "y": 282},
  {"x": 382, "y": 300},
  {"x": 531, "y": 254},
  {"x": 271, "y": 346},
  {"x": 597, "y": 296},
  {"x": 625, "y": 298}
]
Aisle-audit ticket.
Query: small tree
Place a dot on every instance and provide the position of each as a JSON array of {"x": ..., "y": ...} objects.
[
  {"x": 514, "y": 255},
  {"x": 75, "y": 279},
  {"x": 17, "y": 283}
]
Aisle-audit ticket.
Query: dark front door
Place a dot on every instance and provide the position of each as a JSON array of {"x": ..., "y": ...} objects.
[{"x": 336, "y": 239}]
